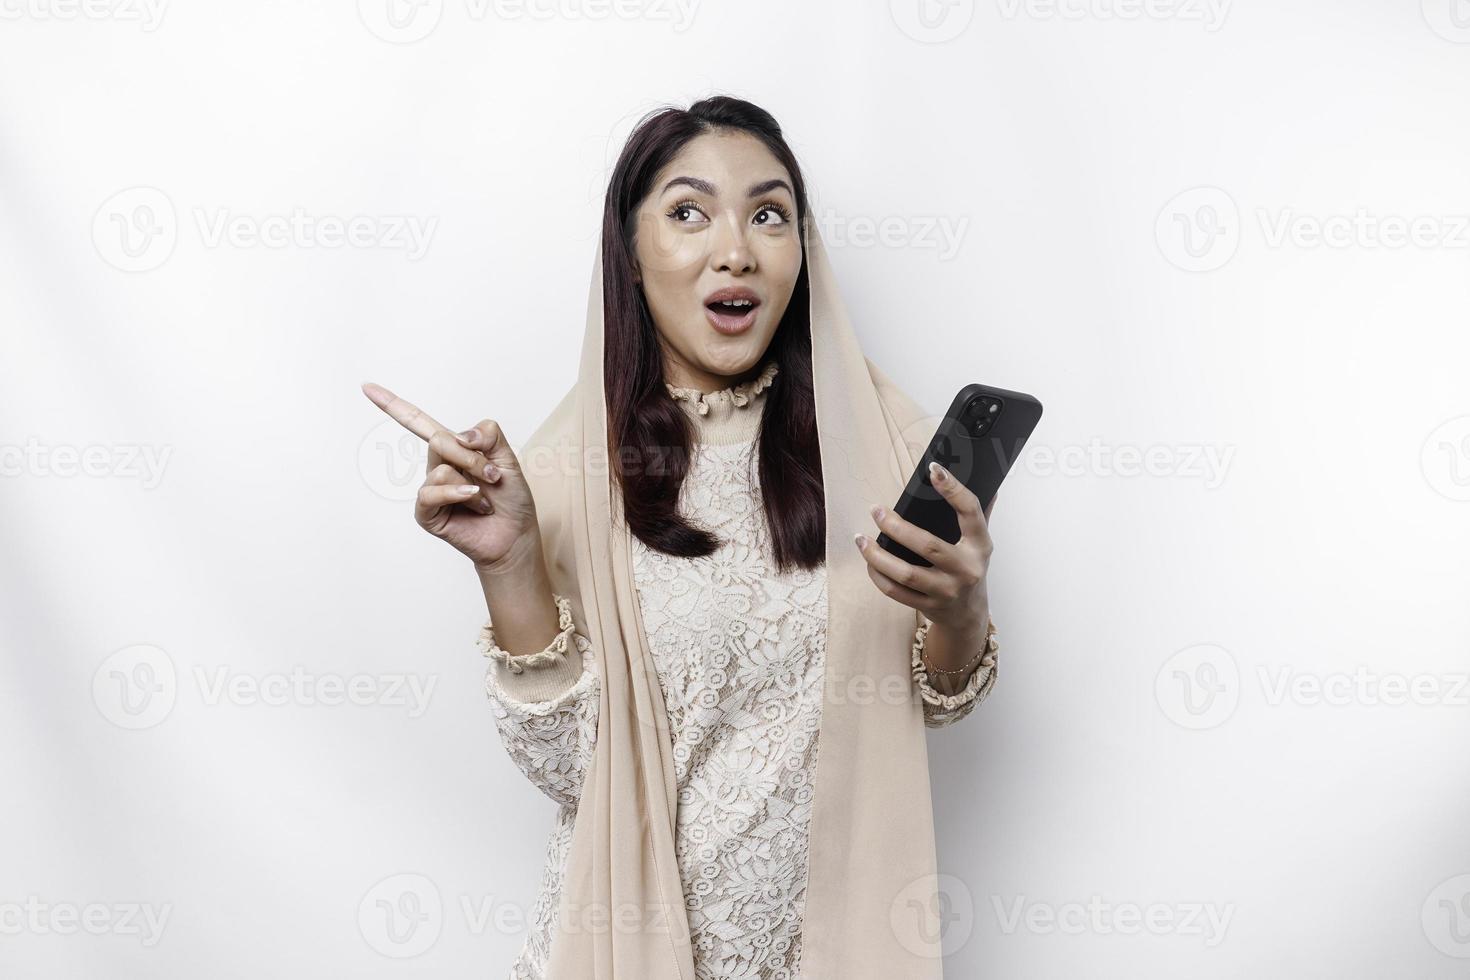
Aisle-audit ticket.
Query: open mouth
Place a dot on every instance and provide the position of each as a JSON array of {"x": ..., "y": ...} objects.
[{"x": 732, "y": 316}]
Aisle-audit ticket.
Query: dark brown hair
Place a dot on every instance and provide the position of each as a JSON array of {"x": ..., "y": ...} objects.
[{"x": 649, "y": 435}]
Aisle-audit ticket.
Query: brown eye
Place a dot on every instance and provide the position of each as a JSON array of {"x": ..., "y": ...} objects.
[
  {"x": 680, "y": 210},
  {"x": 782, "y": 215}
]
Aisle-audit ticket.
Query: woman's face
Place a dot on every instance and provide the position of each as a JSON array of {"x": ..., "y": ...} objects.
[{"x": 720, "y": 216}]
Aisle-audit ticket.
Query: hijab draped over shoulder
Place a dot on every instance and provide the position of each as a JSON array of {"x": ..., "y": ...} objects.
[{"x": 871, "y": 910}]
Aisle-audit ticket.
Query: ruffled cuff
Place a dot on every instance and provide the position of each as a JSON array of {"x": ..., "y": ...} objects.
[
  {"x": 543, "y": 675},
  {"x": 941, "y": 708}
]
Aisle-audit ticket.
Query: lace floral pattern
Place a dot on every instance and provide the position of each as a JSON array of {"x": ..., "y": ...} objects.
[
  {"x": 740, "y": 655},
  {"x": 550, "y": 741},
  {"x": 740, "y": 652}
]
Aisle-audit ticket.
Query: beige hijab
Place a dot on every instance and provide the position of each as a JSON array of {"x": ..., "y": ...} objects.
[{"x": 871, "y": 903}]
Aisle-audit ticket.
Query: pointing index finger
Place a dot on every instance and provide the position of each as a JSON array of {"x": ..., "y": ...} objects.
[{"x": 404, "y": 412}]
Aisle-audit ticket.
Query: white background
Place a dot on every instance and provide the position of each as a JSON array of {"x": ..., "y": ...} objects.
[{"x": 1131, "y": 193}]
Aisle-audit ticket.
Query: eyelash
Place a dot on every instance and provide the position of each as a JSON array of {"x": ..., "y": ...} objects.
[{"x": 776, "y": 206}]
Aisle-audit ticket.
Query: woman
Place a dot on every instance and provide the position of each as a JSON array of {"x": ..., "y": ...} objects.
[{"x": 679, "y": 654}]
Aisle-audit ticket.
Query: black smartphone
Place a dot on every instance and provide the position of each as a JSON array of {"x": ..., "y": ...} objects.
[{"x": 979, "y": 438}]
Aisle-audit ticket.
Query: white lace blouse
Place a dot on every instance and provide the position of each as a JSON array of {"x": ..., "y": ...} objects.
[{"x": 739, "y": 650}]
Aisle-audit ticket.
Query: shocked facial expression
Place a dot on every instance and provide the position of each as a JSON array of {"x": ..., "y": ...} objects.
[{"x": 718, "y": 250}]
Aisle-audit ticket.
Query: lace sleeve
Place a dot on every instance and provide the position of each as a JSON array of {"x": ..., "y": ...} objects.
[
  {"x": 946, "y": 709},
  {"x": 545, "y": 706}
]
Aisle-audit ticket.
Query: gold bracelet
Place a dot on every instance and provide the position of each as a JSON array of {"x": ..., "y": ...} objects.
[{"x": 990, "y": 644}]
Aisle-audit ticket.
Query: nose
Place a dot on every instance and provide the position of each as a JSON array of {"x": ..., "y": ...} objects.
[{"x": 730, "y": 252}]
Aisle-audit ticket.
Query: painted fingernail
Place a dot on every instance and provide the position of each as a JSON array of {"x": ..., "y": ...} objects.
[
  {"x": 861, "y": 540},
  {"x": 469, "y": 437},
  {"x": 938, "y": 473},
  {"x": 492, "y": 473},
  {"x": 466, "y": 489},
  {"x": 877, "y": 513}
]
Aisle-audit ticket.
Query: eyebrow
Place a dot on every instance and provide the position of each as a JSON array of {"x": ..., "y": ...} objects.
[{"x": 705, "y": 187}]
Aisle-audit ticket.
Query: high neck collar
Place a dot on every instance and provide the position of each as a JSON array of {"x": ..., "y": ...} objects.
[{"x": 730, "y": 415}]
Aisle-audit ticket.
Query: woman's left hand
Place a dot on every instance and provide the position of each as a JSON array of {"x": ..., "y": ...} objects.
[{"x": 952, "y": 592}]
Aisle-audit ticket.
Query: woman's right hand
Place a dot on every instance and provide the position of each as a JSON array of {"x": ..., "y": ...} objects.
[
  {"x": 489, "y": 514},
  {"x": 475, "y": 497}
]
